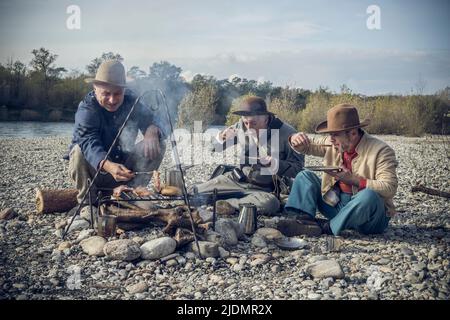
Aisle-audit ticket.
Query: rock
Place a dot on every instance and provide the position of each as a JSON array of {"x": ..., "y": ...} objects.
[
  {"x": 314, "y": 296},
  {"x": 226, "y": 229},
  {"x": 269, "y": 233},
  {"x": 325, "y": 269},
  {"x": 79, "y": 225},
  {"x": 211, "y": 260},
  {"x": 407, "y": 251},
  {"x": 138, "y": 240},
  {"x": 238, "y": 267},
  {"x": 84, "y": 234},
  {"x": 206, "y": 215},
  {"x": 433, "y": 254},
  {"x": 137, "y": 287},
  {"x": 64, "y": 245},
  {"x": 171, "y": 263},
  {"x": 168, "y": 257},
  {"x": 258, "y": 241},
  {"x": 93, "y": 246},
  {"x": 207, "y": 249},
  {"x": 223, "y": 253},
  {"x": 8, "y": 214},
  {"x": 232, "y": 260},
  {"x": 60, "y": 224},
  {"x": 158, "y": 248},
  {"x": 124, "y": 249},
  {"x": 215, "y": 237}
]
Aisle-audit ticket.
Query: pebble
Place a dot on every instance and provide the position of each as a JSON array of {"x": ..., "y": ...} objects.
[
  {"x": 411, "y": 257},
  {"x": 93, "y": 246},
  {"x": 137, "y": 287},
  {"x": 123, "y": 249},
  {"x": 325, "y": 269},
  {"x": 158, "y": 248}
]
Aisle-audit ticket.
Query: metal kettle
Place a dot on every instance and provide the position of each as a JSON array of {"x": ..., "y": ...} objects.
[{"x": 247, "y": 217}]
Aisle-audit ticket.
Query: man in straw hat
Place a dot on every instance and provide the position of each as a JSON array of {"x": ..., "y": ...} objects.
[
  {"x": 97, "y": 121},
  {"x": 359, "y": 196},
  {"x": 265, "y": 157}
]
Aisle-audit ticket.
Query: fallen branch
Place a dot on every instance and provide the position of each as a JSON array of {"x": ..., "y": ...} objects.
[{"x": 430, "y": 191}]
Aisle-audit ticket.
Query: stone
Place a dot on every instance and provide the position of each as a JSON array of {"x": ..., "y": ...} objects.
[
  {"x": 206, "y": 215},
  {"x": 79, "y": 225},
  {"x": 8, "y": 214},
  {"x": 223, "y": 253},
  {"x": 258, "y": 241},
  {"x": 84, "y": 234},
  {"x": 269, "y": 233},
  {"x": 170, "y": 256},
  {"x": 158, "y": 248},
  {"x": 64, "y": 245},
  {"x": 325, "y": 269},
  {"x": 138, "y": 240},
  {"x": 314, "y": 296},
  {"x": 232, "y": 260},
  {"x": 207, "y": 249},
  {"x": 137, "y": 287},
  {"x": 93, "y": 246},
  {"x": 215, "y": 237},
  {"x": 227, "y": 231},
  {"x": 171, "y": 263},
  {"x": 123, "y": 249},
  {"x": 433, "y": 254}
]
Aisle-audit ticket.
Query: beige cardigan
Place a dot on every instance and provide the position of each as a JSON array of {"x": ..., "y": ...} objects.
[{"x": 375, "y": 162}]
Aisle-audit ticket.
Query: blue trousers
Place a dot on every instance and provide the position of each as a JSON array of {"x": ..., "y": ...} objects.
[{"x": 364, "y": 211}]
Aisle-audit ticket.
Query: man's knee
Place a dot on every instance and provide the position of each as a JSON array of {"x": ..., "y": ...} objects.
[{"x": 368, "y": 197}]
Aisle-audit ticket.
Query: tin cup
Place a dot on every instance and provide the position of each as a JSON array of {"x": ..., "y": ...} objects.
[{"x": 106, "y": 225}]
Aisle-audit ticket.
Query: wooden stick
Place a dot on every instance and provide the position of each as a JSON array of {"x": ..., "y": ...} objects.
[{"x": 430, "y": 191}]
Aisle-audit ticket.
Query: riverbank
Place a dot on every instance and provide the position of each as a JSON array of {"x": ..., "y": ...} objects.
[{"x": 409, "y": 261}]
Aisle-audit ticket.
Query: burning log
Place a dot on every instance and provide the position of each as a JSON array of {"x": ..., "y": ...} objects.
[
  {"x": 54, "y": 200},
  {"x": 174, "y": 218}
]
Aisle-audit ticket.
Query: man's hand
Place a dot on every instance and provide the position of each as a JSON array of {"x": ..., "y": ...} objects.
[
  {"x": 118, "y": 171},
  {"x": 150, "y": 145},
  {"x": 300, "y": 139},
  {"x": 228, "y": 133},
  {"x": 345, "y": 176}
]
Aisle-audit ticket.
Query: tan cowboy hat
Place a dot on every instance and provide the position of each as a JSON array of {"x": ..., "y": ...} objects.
[
  {"x": 110, "y": 72},
  {"x": 341, "y": 117},
  {"x": 253, "y": 106}
]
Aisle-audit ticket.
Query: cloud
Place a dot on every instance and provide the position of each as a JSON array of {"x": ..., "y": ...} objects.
[{"x": 364, "y": 71}]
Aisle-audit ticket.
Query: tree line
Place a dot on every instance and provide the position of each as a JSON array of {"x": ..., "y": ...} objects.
[{"x": 43, "y": 91}]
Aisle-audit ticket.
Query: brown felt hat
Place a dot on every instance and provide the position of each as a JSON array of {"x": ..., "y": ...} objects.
[
  {"x": 253, "y": 106},
  {"x": 341, "y": 117},
  {"x": 110, "y": 72}
]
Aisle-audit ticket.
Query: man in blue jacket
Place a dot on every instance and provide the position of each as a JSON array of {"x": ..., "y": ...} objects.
[{"x": 97, "y": 121}]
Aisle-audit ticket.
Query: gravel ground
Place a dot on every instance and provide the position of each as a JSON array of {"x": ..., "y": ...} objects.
[{"x": 409, "y": 261}]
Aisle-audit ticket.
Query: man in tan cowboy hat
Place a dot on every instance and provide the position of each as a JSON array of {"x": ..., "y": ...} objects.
[
  {"x": 254, "y": 183},
  {"x": 97, "y": 121},
  {"x": 359, "y": 195}
]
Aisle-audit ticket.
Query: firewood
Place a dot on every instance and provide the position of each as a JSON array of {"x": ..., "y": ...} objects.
[
  {"x": 430, "y": 191},
  {"x": 55, "y": 200},
  {"x": 171, "y": 219}
]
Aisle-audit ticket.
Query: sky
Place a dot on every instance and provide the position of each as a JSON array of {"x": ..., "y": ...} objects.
[{"x": 292, "y": 43}]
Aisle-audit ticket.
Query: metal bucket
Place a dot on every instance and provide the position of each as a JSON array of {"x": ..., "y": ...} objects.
[
  {"x": 106, "y": 225},
  {"x": 173, "y": 178}
]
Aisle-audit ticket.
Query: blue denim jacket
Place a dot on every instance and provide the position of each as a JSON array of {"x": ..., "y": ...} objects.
[{"x": 95, "y": 128}]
